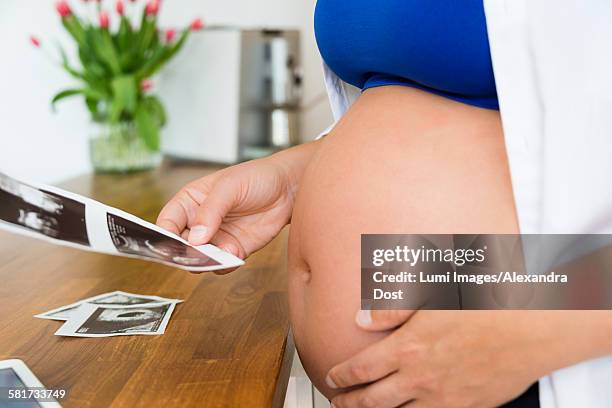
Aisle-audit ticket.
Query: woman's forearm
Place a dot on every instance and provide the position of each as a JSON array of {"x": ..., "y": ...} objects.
[
  {"x": 575, "y": 336},
  {"x": 592, "y": 333},
  {"x": 294, "y": 161}
]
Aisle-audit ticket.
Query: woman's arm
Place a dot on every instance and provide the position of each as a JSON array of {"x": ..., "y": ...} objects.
[
  {"x": 240, "y": 208},
  {"x": 581, "y": 334},
  {"x": 294, "y": 161}
]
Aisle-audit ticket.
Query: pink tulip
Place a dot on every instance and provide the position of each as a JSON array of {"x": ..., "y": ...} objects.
[
  {"x": 170, "y": 34},
  {"x": 35, "y": 41},
  {"x": 63, "y": 9},
  {"x": 152, "y": 7},
  {"x": 146, "y": 85},
  {"x": 104, "y": 19},
  {"x": 119, "y": 7},
  {"x": 197, "y": 24}
]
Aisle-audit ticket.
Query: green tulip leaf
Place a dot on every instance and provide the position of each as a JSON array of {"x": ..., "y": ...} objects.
[
  {"x": 89, "y": 93},
  {"x": 65, "y": 94},
  {"x": 147, "y": 127},
  {"x": 156, "y": 109},
  {"x": 125, "y": 96}
]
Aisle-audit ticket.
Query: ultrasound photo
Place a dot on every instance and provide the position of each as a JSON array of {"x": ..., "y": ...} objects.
[
  {"x": 124, "y": 299},
  {"x": 42, "y": 211},
  {"x": 118, "y": 298},
  {"x": 126, "y": 320},
  {"x": 65, "y": 218},
  {"x": 131, "y": 238}
]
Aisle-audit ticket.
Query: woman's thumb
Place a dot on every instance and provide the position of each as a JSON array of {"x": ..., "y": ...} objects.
[
  {"x": 211, "y": 212},
  {"x": 382, "y": 320}
]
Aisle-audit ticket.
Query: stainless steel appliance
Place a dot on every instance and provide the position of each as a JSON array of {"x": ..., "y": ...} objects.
[{"x": 233, "y": 94}]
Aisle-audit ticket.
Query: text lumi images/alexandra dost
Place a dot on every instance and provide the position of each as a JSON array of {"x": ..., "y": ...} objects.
[{"x": 453, "y": 257}]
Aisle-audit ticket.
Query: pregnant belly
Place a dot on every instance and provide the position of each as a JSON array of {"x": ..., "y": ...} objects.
[{"x": 400, "y": 161}]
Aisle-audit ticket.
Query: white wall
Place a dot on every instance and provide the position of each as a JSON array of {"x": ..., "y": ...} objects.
[
  {"x": 35, "y": 143},
  {"x": 40, "y": 145}
]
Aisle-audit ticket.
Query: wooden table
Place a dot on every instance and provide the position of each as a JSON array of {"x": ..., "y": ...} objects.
[{"x": 227, "y": 345}]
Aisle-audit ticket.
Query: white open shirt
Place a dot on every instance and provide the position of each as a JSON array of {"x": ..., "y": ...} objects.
[{"x": 553, "y": 70}]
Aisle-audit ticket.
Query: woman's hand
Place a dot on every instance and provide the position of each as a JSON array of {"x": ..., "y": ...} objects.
[
  {"x": 241, "y": 208},
  {"x": 465, "y": 358}
]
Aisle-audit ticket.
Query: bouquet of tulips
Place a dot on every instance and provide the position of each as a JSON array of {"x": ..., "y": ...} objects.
[{"x": 116, "y": 63}]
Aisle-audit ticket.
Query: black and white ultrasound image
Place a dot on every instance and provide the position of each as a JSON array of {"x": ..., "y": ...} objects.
[
  {"x": 42, "y": 211},
  {"x": 135, "y": 239},
  {"x": 125, "y": 320}
]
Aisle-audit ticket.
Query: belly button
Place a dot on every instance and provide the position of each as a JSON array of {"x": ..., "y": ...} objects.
[{"x": 306, "y": 275}]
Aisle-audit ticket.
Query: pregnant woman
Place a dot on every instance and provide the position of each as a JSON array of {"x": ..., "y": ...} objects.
[{"x": 420, "y": 151}]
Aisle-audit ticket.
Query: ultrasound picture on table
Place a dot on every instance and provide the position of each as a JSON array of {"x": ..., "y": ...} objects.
[
  {"x": 131, "y": 238},
  {"x": 41, "y": 211},
  {"x": 125, "y": 320},
  {"x": 124, "y": 299},
  {"x": 116, "y": 298}
]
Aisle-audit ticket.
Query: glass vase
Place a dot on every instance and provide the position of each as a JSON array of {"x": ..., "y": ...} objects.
[{"x": 119, "y": 148}]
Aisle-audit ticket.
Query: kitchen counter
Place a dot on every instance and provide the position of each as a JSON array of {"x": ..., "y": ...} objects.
[{"x": 227, "y": 345}]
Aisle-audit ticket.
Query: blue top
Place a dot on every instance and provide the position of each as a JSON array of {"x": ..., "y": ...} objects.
[{"x": 440, "y": 46}]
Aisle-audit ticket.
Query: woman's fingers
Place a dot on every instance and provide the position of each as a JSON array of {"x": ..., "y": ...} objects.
[
  {"x": 229, "y": 243},
  {"x": 209, "y": 215},
  {"x": 389, "y": 392},
  {"x": 371, "y": 364},
  {"x": 177, "y": 213},
  {"x": 382, "y": 320},
  {"x": 185, "y": 234}
]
